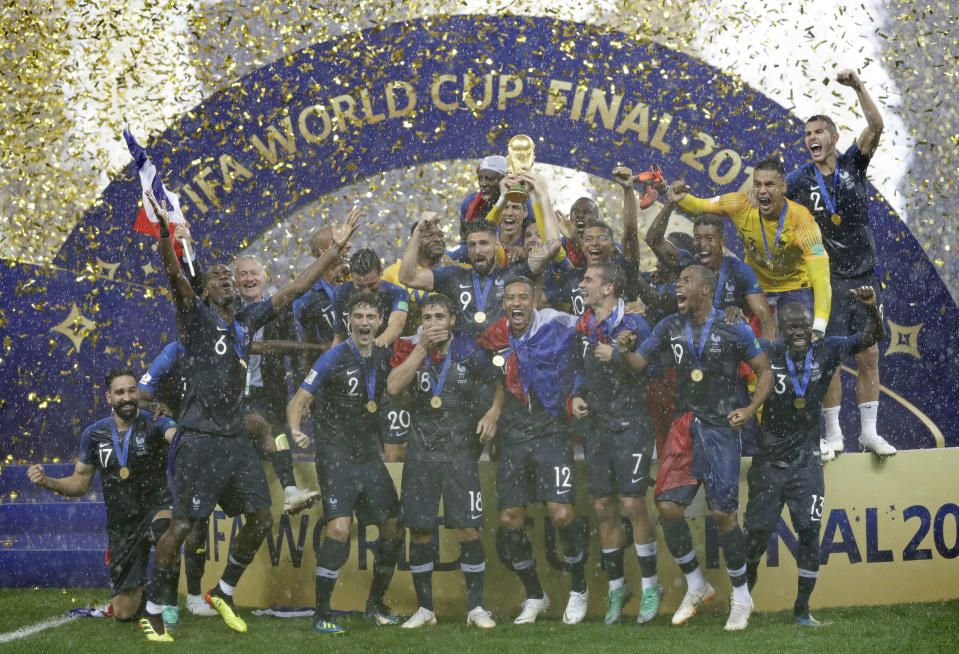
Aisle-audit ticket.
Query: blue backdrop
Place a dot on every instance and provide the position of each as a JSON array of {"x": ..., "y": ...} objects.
[{"x": 411, "y": 93}]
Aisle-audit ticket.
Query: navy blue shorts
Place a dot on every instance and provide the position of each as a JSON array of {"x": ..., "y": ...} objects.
[
  {"x": 618, "y": 462},
  {"x": 771, "y": 485},
  {"x": 848, "y": 316},
  {"x": 394, "y": 423},
  {"x": 456, "y": 482},
  {"x": 361, "y": 487},
  {"x": 537, "y": 470},
  {"x": 716, "y": 453}
]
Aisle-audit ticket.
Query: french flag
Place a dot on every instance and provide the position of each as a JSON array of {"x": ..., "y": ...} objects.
[
  {"x": 542, "y": 358},
  {"x": 146, "y": 222}
]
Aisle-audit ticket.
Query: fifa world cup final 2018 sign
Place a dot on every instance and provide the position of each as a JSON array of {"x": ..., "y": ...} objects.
[{"x": 413, "y": 93}]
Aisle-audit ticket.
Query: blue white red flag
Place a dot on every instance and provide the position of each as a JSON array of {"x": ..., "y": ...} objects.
[
  {"x": 146, "y": 222},
  {"x": 541, "y": 359}
]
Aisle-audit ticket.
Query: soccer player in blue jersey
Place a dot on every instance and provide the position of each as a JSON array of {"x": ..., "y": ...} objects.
[
  {"x": 478, "y": 290},
  {"x": 129, "y": 449},
  {"x": 618, "y": 438},
  {"x": 436, "y": 376},
  {"x": 834, "y": 187},
  {"x": 707, "y": 353},
  {"x": 787, "y": 468},
  {"x": 535, "y": 348},
  {"x": 349, "y": 382},
  {"x": 214, "y": 463}
]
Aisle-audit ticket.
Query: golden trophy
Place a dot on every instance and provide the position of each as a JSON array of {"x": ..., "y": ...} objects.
[{"x": 520, "y": 155}]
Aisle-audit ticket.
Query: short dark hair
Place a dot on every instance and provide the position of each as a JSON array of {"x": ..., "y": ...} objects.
[
  {"x": 830, "y": 124},
  {"x": 438, "y": 299},
  {"x": 520, "y": 279},
  {"x": 710, "y": 220},
  {"x": 589, "y": 203},
  {"x": 710, "y": 278},
  {"x": 772, "y": 164},
  {"x": 602, "y": 225},
  {"x": 369, "y": 299},
  {"x": 611, "y": 273},
  {"x": 364, "y": 262},
  {"x": 118, "y": 372},
  {"x": 474, "y": 226},
  {"x": 792, "y": 307},
  {"x": 681, "y": 240}
]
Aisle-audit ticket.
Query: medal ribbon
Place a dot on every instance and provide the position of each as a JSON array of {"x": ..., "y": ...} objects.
[
  {"x": 702, "y": 338},
  {"x": 719, "y": 284},
  {"x": 830, "y": 203},
  {"x": 370, "y": 380},
  {"x": 779, "y": 230},
  {"x": 437, "y": 385},
  {"x": 125, "y": 450},
  {"x": 799, "y": 388},
  {"x": 480, "y": 298}
]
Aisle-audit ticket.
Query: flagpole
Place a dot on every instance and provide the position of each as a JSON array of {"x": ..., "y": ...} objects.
[{"x": 188, "y": 255}]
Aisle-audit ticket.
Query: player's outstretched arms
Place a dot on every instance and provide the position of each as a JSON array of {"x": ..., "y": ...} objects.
[
  {"x": 656, "y": 234},
  {"x": 183, "y": 294},
  {"x": 868, "y": 141},
  {"x": 874, "y": 331},
  {"x": 340, "y": 236},
  {"x": 409, "y": 273},
  {"x": 75, "y": 485}
]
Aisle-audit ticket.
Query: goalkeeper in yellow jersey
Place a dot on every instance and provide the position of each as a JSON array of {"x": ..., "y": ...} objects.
[{"x": 780, "y": 238}]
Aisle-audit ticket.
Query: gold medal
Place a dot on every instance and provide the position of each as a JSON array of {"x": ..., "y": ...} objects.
[
  {"x": 124, "y": 472},
  {"x": 436, "y": 402},
  {"x": 371, "y": 406},
  {"x": 243, "y": 363},
  {"x": 498, "y": 361},
  {"x": 836, "y": 219},
  {"x": 696, "y": 375},
  {"x": 799, "y": 402},
  {"x": 479, "y": 317}
]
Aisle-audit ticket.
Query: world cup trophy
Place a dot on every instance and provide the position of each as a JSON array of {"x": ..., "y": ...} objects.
[{"x": 520, "y": 155}]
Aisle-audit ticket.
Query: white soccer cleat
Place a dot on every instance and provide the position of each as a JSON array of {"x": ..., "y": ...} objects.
[
  {"x": 480, "y": 617},
  {"x": 197, "y": 605},
  {"x": 877, "y": 444},
  {"x": 576, "y": 607},
  {"x": 422, "y": 618},
  {"x": 834, "y": 442},
  {"x": 296, "y": 499},
  {"x": 531, "y": 610},
  {"x": 739, "y": 615},
  {"x": 826, "y": 453},
  {"x": 692, "y": 600}
]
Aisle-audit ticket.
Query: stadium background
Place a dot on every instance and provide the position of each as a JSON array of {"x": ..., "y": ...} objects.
[{"x": 118, "y": 66}]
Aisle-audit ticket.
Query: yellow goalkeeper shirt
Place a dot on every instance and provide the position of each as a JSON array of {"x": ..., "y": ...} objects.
[{"x": 798, "y": 260}]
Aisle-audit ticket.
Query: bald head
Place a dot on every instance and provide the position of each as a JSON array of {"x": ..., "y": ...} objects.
[
  {"x": 321, "y": 239},
  {"x": 790, "y": 312}
]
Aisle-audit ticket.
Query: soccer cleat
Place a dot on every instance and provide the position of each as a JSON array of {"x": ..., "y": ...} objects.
[
  {"x": 692, "y": 600},
  {"x": 296, "y": 499},
  {"x": 531, "y": 609},
  {"x": 322, "y": 626},
  {"x": 422, "y": 618},
  {"x": 806, "y": 620},
  {"x": 481, "y": 618},
  {"x": 649, "y": 604},
  {"x": 377, "y": 616},
  {"x": 171, "y": 617},
  {"x": 224, "y": 606},
  {"x": 152, "y": 634},
  {"x": 876, "y": 444},
  {"x": 576, "y": 607},
  {"x": 825, "y": 452},
  {"x": 739, "y": 615},
  {"x": 197, "y": 605},
  {"x": 835, "y": 443},
  {"x": 615, "y": 601}
]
